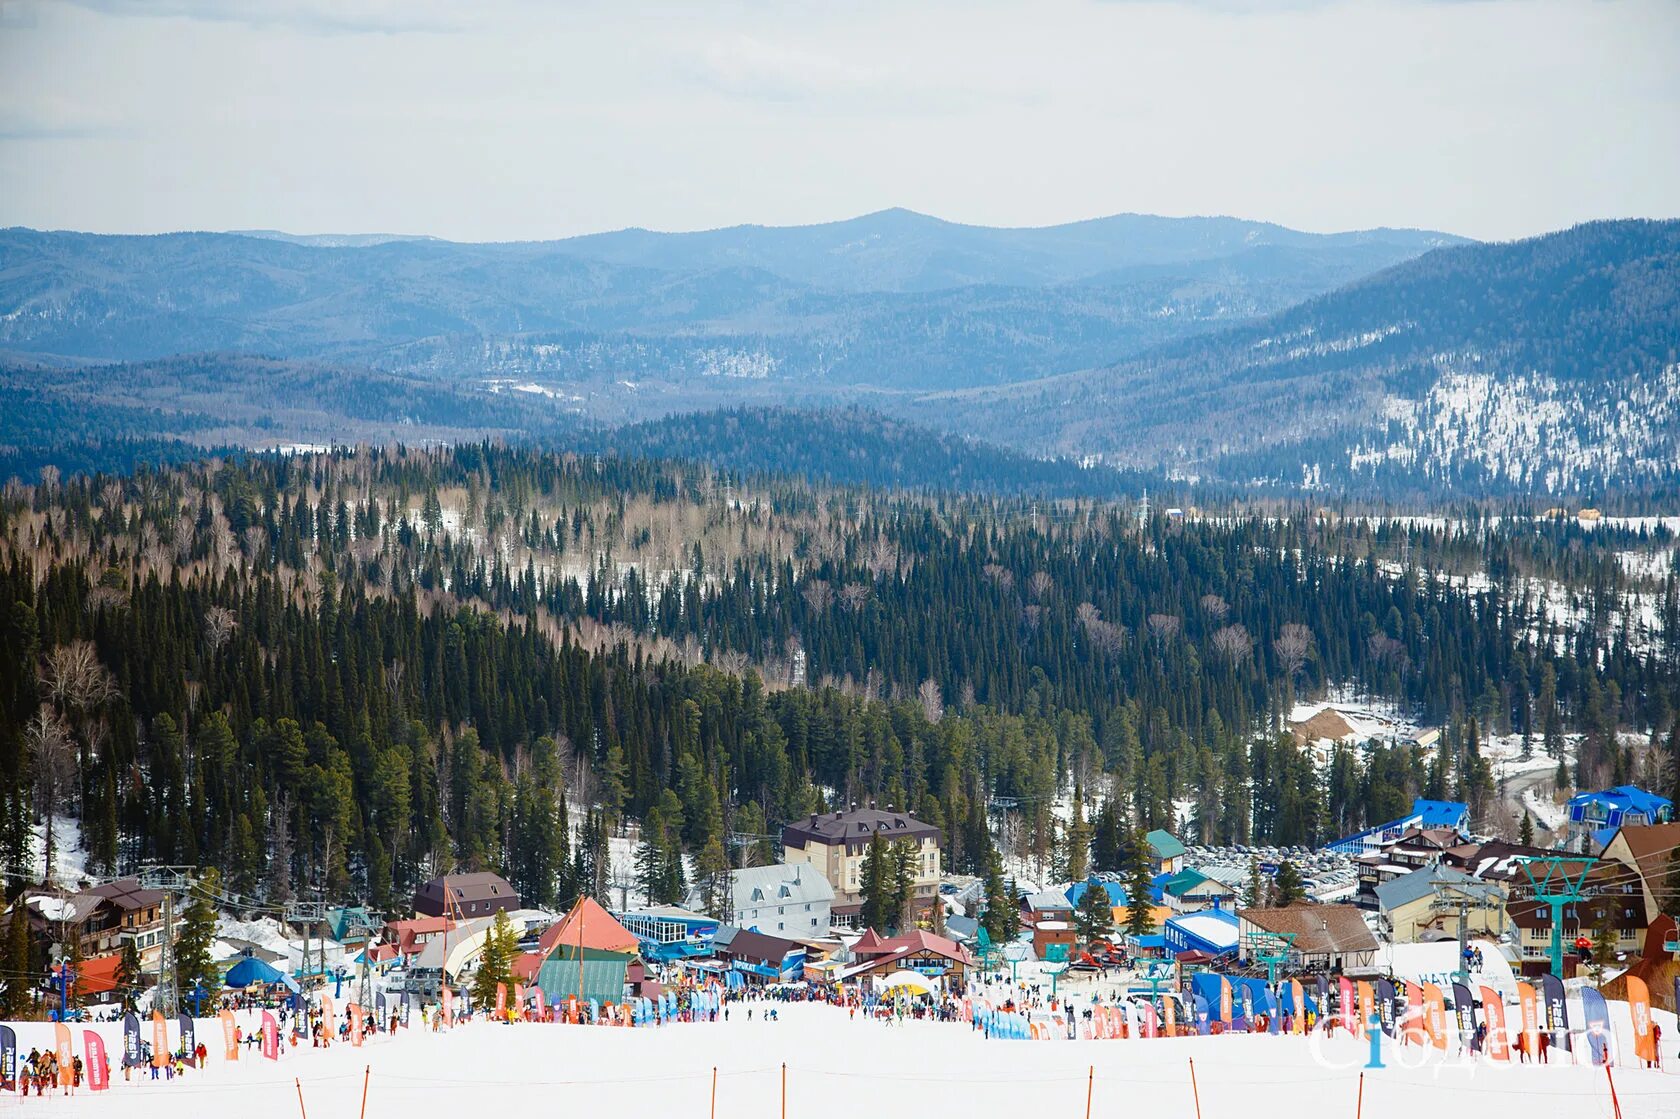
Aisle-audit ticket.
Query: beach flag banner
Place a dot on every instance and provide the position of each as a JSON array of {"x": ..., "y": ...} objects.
[
  {"x": 1350, "y": 1013},
  {"x": 1464, "y": 1009},
  {"x": 1150, "y": 1020},
  {"x": 98, "y": 1069},
  {"x": 1557, "y": 1011},
  {"x": 131, "y": 1040},
  {"x": 1493, "y": 1016},
  {"x": 1169, "y": 1008},
  {"x": 1597, "y": 1016},
  {"x": 1529, "y": 1006},
  {"x": 230, "y": 1036},
  {"x": 537, "y": 1001},
  {"x": 189, "y": 1039},
  {"x": 329, "y": 1017},
  {"x": 501, "y": 1000},
  {"x": 1297, "y": 1007},
  {"x": 1225, "y": 1000},
  {"x": 1385, "y": 1006},
  {"x": 270, "y": 1037},
  {"x": 160, "y": 1040},
  {"x": 356, "y": 1024},
  {"x": 66, "y": 1054},
  {"x": 1435, "y": 1015},
  {"x": 1202, "y": 1015},
  {"x": 1367, "y": 1004},
  {"x": 1323, "y": 995},
  {"x": 1639, "y": 1008},
  {"x": 8, "y": 1057},
  {"x": 448, "y": 1005},
  {"x": 519, "y": 999},
  {"x": 1417, "y": 1028}
]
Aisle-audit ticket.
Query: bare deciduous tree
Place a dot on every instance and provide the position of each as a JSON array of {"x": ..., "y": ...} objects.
[
  {"x": 933, "y": 703},
  {"x": 1040, "y": 584},
  {"x": 53, "y": 752},
  {"x": 1105, "y": 637},
  {"x": 1164, "y": 626},
  {"x": 219, "y": 624},
  {"x": 1233, "y": 643},
  {"x": 1215, "y": 607},
  {"x": 818, "y": 594},
  {"x": 75, "y": 679},
  {"x": 853, "y": 596},
  {"x": 1000, "y": 576},
  {"x": 1294, "y": 645}
]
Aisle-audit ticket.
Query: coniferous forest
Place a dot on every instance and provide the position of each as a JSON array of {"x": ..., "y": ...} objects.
[{"x": 338, "y": 674}]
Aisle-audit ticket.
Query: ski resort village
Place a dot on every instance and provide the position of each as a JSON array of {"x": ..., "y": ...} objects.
[{"x": 1366, "y": 976}]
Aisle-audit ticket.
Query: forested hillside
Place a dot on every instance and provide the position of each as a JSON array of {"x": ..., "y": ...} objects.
[{"x": 344, "y": 672}]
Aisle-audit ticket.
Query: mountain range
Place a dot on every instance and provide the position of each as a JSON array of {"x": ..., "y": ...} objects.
[{"x": 1241, "y": 352}]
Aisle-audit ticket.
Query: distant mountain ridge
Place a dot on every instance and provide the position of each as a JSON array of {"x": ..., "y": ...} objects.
[
  {"x": 1545, "y": 365},
  {"x": 892, "y": 300}
]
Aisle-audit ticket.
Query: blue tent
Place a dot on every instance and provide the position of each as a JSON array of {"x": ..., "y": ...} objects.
[{"x": 252, "y": 970}]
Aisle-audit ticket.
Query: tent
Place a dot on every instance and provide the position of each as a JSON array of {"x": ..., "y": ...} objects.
[
  {"x": 911, "y": 981},
  {"x": 251, "y": 970}
]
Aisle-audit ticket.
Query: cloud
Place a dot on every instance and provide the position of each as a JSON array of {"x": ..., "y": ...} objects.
[
  {"x": 51, "y": 119},
  {"x": 325, "y": 17}
]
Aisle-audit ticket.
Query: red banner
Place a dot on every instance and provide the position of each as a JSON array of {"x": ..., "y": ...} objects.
[
  {"x": 329, "y": 1020},
  {"x": 448, "y": 1007},
  {"x": 1149, "y": 1020},
  {"x": 356, "y": 1024},
  {"x": 519, "y": 1000},
  {"x": 230, "y": 1035},
  {"x": 1639, "y": 1008},
  {"x": 1493, "y": 1016},
  {"x": 1350, "y": 1013},
  {"x": 98, "y": 1068},
  {"x": 501, "y": 1000},
  {"x": 270, "y": 1037},
  {"x": 537, "y": 998},
  {"x": 160, "y": 1040}
]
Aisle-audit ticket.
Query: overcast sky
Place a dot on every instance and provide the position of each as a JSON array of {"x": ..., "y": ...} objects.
[{"x": 513, "y": 119}]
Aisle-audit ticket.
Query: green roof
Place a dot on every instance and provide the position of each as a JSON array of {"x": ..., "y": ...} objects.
[
  {"x": 1164, "y": 844},
  {"x": 1184, "y": 881}
]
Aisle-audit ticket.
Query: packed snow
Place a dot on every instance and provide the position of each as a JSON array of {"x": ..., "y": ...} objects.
[{"x": 836, "y": 1062}]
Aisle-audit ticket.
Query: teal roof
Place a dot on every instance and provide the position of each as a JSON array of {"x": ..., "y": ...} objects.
[
  {"x": 1184, "y": 881},
  {"x": 1165, "y": 844}
]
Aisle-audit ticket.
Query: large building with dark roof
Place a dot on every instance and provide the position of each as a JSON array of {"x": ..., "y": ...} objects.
[
  {"x": 835, "y": 842},
  {"x": 479, "y": 894}
]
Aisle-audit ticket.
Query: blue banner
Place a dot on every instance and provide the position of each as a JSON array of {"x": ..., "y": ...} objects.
[
  {"x": 131, "y": 1040},
  {"x": 1557, "y": 1010},
  {"x": 8, "y": 1057},
  {"x": 1597, "y": 1024}
]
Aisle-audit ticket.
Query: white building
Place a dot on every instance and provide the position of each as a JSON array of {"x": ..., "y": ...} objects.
[{"x": 782, "y": 899}]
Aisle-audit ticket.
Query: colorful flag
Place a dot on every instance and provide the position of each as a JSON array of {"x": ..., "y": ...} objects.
[
  {"x": 1298, "y": 1008},
  {"x": 1493, "y": 1015},
  {"x": 189, "y": 1039},
  {"x": 1417, "y": 1024},
  {"x": 1149, "y": 1020},
  {"x": 98, "y": 1068},
  {"x": 230, "y": 1035},
  {"x": 1435, "y": 1015},
  {"x": 1385, "y": 1006},
  {"x": 1350, "y": 1013},
  {"x": 501, "y": 1000},
  {"x": 1224, "y": 1000},
  {"x": 537, "y": 999},
  {"x": 1557, "y": 1011},
  {"x": 270, "y": 1037},
  {"x": 1367, "y": 1005},
  {"x": 160, "y": 1040},
  {"x": 8, "y": 1057},
  {"x": 1530, "y": 1004},
  {"x": 356, "y": 1024},
  {"x": 1464, "y": 1008},
  {"x": 1597, "y": 1017},
  {"x": 1639, "y": 1007},
  {"x": 66, "y": 1055},
  {"x": 131, "y": 1040}
]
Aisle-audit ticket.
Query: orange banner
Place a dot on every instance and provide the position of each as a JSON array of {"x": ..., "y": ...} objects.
[
  {"x": 1170, "y": 1017},
  {"x": 1417, "y": 1030},
  {"x": 230, "y": 1035},
  {"x": 67, "y": 1055},
  {"x": 1530, "y": 1003},
  {"x": 501, "y": 1000},
  {"x": 1493, "y": 1016},
  {"x": 1298, "y": 1020},
  {"x": 448, "y": 1006},
  {"x": 160, "y": 1040},
  {"x": 356, "y": 1024},
  {"x": 1367, "y": 1005},
  {"x": 329, "y": 1022},
  {"x": 1435, "y": 1015},
  {"x": 1639, "y": 1008}
]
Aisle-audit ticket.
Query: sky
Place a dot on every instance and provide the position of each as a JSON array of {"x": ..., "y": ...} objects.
[{"x": 528, "y": 119}]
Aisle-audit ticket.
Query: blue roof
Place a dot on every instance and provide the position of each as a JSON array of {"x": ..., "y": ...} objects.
[
  {"x": 1626, "y": 797},
  {"x": 1440, "y": 813},
  {"x": 1116, "y": 892}
]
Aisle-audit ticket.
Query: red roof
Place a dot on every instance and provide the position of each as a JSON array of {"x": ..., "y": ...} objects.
[
  {"x": 98, "y": 974},
  {"x": 589, "y": 925},
  {"x": 917, "y": 940},
  {"x": 867, "y": 944},
  {"x": 527, "y": 965}
]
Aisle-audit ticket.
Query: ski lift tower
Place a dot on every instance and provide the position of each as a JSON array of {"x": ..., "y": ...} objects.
[
  {"x": 1552, "y": 881},
  {"x": 171, "y": 880},
  {"x": 1273, "y": 949}
]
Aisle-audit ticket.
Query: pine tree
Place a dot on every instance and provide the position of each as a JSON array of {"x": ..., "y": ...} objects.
[
  {"x": 877, "y": 883},
  {"x": 20, "y": 974},
  {"x": 194, "y": 966},
  {"x": 999, "y": 905},
  {"x": 1140, "y": 915},
  {"x": 495, "y": 960},
  {"x": 1603, "y": 943},
  {"x": 1255, "y": 895},
  {"x": 1286, "y": 887},
  {"x": 1093, "y": 918},
  {"x": 1076, "y": 842},
  {"x": 1525, "y": 833},
  {"x": 129, "y": 974}
]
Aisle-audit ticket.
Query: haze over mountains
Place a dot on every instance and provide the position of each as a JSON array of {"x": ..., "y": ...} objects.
[{"x": 1226, "y": 349}]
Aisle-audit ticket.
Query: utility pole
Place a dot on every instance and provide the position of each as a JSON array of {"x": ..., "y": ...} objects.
[
  {"x": 1453, "y": 898},
  {"x": 1551, "y": 882}
]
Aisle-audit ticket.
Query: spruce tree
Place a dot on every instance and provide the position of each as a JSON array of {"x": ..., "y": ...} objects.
[
  {"x": 1286, "y": 887},
  {"x": 1140, "y": 915},
  {"x": 1525, "y": 833},
  {"x": 495, "y": 960},
  {"x": 877, "y": 883},
  {"x": 999, "y": 905},
  {"x": 1093, "y": 918},
  {"x": 194, "y": 967}
]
